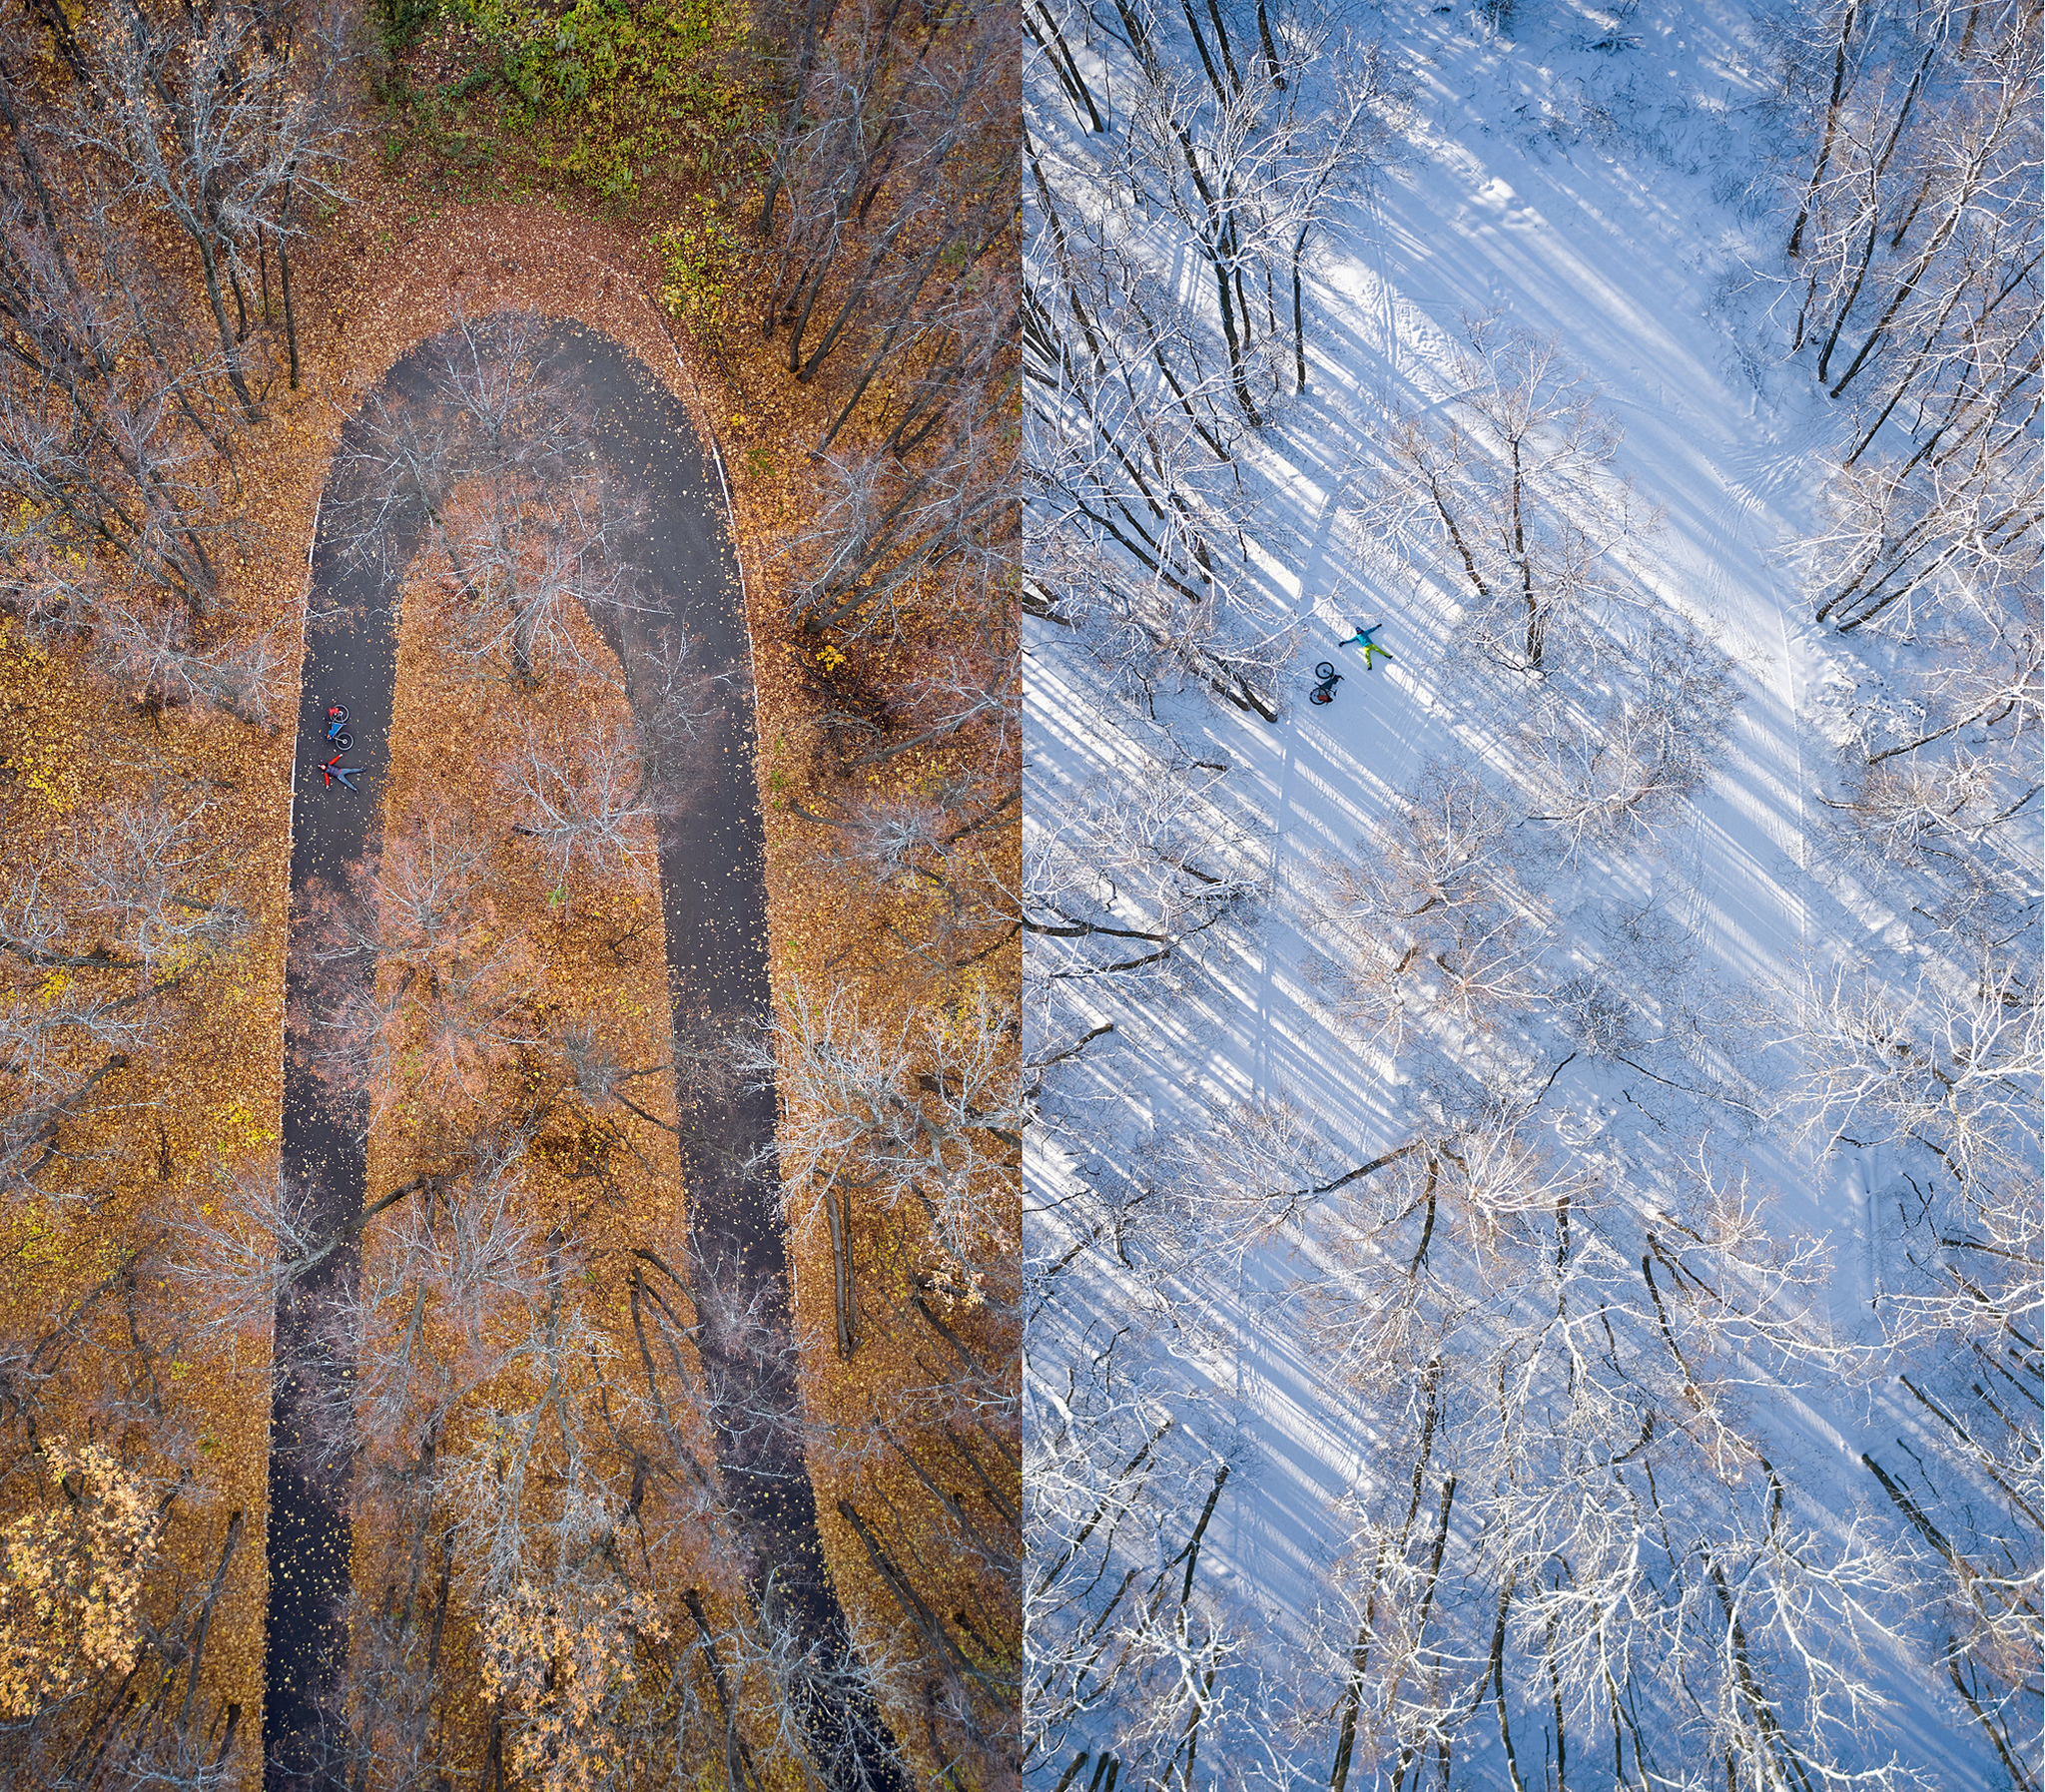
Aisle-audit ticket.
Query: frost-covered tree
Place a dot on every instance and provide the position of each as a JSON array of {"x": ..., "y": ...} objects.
[
  {"x": 1577, "y": 1516},
  {"x": 1141, "y": 385},
  {"x": 1913, "y": 254},
  {"x": 1509, "y": 485}
]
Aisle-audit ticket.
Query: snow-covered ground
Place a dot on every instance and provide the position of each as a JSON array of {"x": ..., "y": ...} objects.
[{"x": 1594, "y": 195}]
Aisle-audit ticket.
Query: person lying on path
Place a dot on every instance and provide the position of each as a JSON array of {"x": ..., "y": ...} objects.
[{"x": 333, "y": 769}]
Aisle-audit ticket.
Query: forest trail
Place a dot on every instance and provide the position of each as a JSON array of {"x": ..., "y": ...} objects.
[{"x": 713, "y": 894}]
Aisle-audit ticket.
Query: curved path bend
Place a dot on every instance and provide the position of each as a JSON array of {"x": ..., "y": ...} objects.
[{"x": 714, "y": 895}]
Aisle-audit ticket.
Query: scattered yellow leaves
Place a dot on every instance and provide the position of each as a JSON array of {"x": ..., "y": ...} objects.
[{"x": 71, "y": 1602}]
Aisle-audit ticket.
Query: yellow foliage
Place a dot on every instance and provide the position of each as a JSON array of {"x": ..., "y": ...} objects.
[
  {"x": 559, "y": 1657},
  {"x": 34, "y": 1238},
  {"x": 70, "y": 1607},
  {"x": 237, "y": 1122}
]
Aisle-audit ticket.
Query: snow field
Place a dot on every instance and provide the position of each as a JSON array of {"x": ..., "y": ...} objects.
[{"x": 1590, "y": 196}]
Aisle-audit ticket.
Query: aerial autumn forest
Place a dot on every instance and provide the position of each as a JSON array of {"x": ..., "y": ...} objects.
[{"x": 509, "y": 1105}]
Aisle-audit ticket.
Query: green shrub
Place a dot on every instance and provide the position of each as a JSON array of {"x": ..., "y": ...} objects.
[
  {"x": 600, "y": 92},
  {"x": 702, "y": 262}
]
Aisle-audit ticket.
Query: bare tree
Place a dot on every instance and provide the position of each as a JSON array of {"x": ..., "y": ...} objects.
[
  {"x": 585, "y": 802},
  {"x": 1613, "y": 770},
  {"x": 1510, "y": 484},
  {"x": 117, "y": 425},
  {"x": 1133, "y": 1658},
  {"x": 409, "y": 990},
  {"x": 1959, "y": 1305},
  {"x": 217, "y": 117},
  {"x": 1949, "y": 1074},
  {"x": 1140, "y": 387},
  {"x": 1249, "y": 1174},
  {"x": 889, "y": 164},
  {"x": 149, "y": 653},
  {"x": 491, "y": 475},
  {"x": 112, "y": 430},
  {"x": 892, "y": 525},
  {"x": 1439, "y": 916},
  {"x": 1915, "y": 250},
  {"x": 1130, "y": 445},
  {"x": 1919, "y": 188},
  {"x": 936, "y": 855},
  {"x": 1607, "y": 1585},
  {"x": 1955, "y": 526},
  {"x": 1949, "y": 1064},
  {"x": 927, "y": 1117},
  {"x": 99, "y": 936},
  {"x": 523, "y": 567},
  {"x": 1247, "y": 159},
  {"x": 1133, "y": 872}
]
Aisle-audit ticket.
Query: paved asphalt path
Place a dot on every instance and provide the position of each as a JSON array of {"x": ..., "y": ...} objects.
[{"x": 714, "y": 893}]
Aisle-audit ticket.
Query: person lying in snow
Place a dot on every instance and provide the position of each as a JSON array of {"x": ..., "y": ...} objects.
[{"x": 1362, "y": 639}]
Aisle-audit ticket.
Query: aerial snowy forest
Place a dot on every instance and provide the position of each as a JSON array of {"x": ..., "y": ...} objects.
[{"x": 1532, "y": 1232}]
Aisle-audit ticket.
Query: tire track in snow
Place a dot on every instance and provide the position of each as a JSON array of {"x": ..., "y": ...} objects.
[
  {"x": 1380, "y": 267},
  {"x": 1773, "y": 794}
]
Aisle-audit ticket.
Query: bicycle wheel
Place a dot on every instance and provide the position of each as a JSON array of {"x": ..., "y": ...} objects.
[
  {"x": 338, "y": 713},
  {"x": 342, "y": 740},
  {"x": 1325, "y": 669},
  {"x": 1321, "y": 696}
]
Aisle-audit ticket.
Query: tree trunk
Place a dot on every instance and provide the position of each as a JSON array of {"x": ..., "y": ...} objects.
[
  {"x": 1298, "y": 315},
  {"x": 1063, "y": 62},
  {"x": 1535, "y": 631},
  {"x": 210, "y": 265},
  {"x": 1824, "y": 153},
  {"x": 1825, "y": 359},
  {"x": 284, "y": 272},
  {"x": 1498, "y": 1679},
  {"x": 1903, "y": 292},
  {"x": 1227, "y": 55},
  {"x": 816, "y": 26},
  {"x": 1239, "y": 373},
  {"x": 1270, "y": 48},
  {"x": 844, "y": 1292}
]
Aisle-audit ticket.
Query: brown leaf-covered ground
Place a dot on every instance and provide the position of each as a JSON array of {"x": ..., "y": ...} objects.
[
  {"x": 374, "y": 280},
  {"x": 175, "y": 1120}
]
